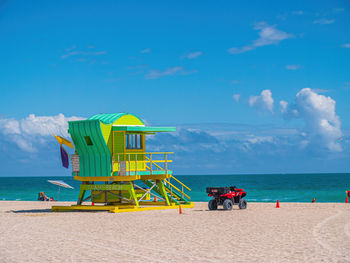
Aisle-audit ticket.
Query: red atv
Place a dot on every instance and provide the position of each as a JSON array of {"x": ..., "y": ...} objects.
[{"x": 227, "y": 197}]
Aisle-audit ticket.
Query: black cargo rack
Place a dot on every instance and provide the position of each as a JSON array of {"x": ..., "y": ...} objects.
[{"x": 220, "y": 190}]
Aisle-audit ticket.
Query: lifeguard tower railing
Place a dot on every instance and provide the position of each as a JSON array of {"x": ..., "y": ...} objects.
[{"x": 149, "y": 166}]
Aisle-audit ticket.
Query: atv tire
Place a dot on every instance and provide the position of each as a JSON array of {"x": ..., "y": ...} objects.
[
  {"x": 242, "y": 204},
  {"x": 212, "y": 205},
  {"x": 227, "y": 204}
]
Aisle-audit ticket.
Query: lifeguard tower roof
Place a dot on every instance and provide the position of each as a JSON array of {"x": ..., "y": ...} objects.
[{"x": 128, "y": 122}]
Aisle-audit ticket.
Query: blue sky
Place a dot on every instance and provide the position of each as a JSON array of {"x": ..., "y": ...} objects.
[{"x": 253, "y": 87}]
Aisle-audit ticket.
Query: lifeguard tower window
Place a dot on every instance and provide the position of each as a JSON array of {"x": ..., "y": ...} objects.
[
  {"x": 88, "y": 140},
  {"x": 133, "y": 141}
]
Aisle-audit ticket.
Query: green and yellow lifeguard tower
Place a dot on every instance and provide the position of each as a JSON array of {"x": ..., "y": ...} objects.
[{"x": 116, "y": 172}]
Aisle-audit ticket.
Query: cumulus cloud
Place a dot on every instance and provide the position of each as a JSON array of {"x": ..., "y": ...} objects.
[
  {"x": 199, "y": 148},
  {"x": 324, "y": 21},
  {"x": 268, "y": 35},
  {"x": 262, "y": 102},
  {"x": 10, "y": 126},
  {"x": 322, "y": 124},
  {"x": 194, "y": 55},
  {"x": 283, "y": 105},
  {"x": 156, "y": 74},
  {"x": 46, "y": 125},
  {"x": 25, "y": 131},
  {"x": 293, "y": 67},
  {"x": 213, "y": 148},
  {"x": 236, "y": 97}
]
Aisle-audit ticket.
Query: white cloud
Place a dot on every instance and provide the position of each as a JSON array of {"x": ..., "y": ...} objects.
[
  {"x": 194, "y": 55},
  {"x": 340, "y": 9},
  {"x": 236, "y": 97},
  {"x": 10, "y": 126},
  {"x": 262, "y": 102},
  {"x": 71, "y": 48},
  {"x": 227, "y": 147},
  {"x": 347, "y": 45},
  {"x": 260, "y": 139},
  {"x": 147, "y": 50},
  {"x": 46, "y": 125},
  {"x": 224, "y": 147},
  {"x": 322, "y": 125},
  {"x": 283, "y": 105},
  {"x": 25, "y": 131},
  {"x": 156, "y": 74},
  {"x": 324, "y": 21},
  {"x": 69, "y": 54},
  {"x": 298, "y": 13},
  {"x": 72, "y": 52},
  {"x": 293, "y": 67},
  {"x": 24, "y": 144},
  {"x": 320, "y": 90},
  {"x": 268, "y": 35}
]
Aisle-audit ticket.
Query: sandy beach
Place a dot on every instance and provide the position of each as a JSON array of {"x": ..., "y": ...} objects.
[{"x": 296, "y": 232}]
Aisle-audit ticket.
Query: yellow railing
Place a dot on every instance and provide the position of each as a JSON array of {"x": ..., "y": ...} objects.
[
  {"x": 131, "y": 163},
  {"x": 173, "y": 186},
  {"x": 189, "y": 189}
]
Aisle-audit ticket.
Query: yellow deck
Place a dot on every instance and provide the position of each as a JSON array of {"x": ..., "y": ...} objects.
[
  {"x": 122, "y": 178},
  {"x": 115, "y": 208}
]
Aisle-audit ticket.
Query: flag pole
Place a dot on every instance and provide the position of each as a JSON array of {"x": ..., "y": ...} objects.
[{"x": 58, "y": 192}]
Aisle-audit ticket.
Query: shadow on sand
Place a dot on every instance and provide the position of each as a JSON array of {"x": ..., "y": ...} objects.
[{"x": 30, "y": 211}]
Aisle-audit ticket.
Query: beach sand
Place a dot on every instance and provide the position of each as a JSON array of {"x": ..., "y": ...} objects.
[{"x": 296, "y": 232}]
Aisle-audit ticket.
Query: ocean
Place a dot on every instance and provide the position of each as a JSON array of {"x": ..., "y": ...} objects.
[{"x": 259, "y": 187}]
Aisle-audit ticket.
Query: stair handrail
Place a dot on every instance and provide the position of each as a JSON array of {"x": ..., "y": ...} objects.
[
  {"x": 177, "y": 188},
  {"x": 171, "y": 176}
]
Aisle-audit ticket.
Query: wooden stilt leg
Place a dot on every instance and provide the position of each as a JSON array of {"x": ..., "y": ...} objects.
[
  {"x": 81, "y": 197},
  {"x": 133, "y": 194},
  {"x": 162, "y": 190}
]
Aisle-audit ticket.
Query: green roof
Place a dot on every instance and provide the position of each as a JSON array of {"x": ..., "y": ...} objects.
[
  {"x": 143, "y": 129},
  {"x": 110, "y": 118}
]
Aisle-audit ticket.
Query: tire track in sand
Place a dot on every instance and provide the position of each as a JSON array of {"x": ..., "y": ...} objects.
[{"x": 322, "y": 241}]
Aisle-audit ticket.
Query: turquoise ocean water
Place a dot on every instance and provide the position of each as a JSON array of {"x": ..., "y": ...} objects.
[{"x": 260, "y": 188}]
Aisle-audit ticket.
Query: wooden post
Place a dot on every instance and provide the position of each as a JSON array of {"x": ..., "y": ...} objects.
[
  {"x": 162, "y": 191},
  {"x": 112, "y": 163},
  {"x": 166, "y": 164},
  {"x": 118, "y": 164},
  {"x": 112, "y": 152},
  {"x": 81, "y": 194},
  {"x": 136, "y": 164},
  {"x": 106, "y": 194},
  {"x": 150, "y": 165},
  {"x": 129, "y": 165},
  {"x": 132, "y": 194},
  {"x": 171, "y": 190}
]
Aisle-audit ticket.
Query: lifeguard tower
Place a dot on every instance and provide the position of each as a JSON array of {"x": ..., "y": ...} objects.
[{"x": 116, "y": 172}]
